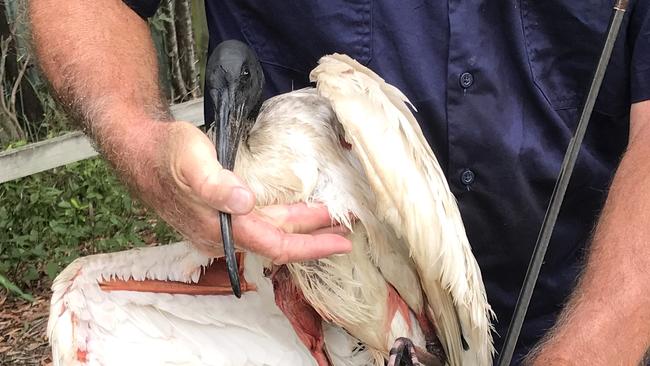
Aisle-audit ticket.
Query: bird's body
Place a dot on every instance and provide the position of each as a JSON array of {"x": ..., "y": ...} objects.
[
  {"x": 353, "y": 145},
  {"x": 310, "y": 162}
]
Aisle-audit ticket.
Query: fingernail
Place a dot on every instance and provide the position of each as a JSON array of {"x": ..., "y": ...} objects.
[{"x": 240, "y": 201}]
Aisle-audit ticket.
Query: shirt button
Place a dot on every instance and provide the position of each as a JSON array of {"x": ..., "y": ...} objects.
[
  {"x": 466, "y": 80},
  {"x": 467, "y": 177}
]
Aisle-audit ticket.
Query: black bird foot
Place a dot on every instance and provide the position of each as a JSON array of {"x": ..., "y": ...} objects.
[{"x": 403, "y": 353}]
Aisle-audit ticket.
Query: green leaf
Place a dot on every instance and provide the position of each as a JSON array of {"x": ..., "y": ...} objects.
[
  {"x": 4, "y": 281},
  {"x": 115, "y": 221},
  {"x": 38, "y": 251},
  {"x": 52, "y": 269},
  {"x": 16, "y": 144},
  {"x": 30, "y": 275},
  {"x": 75, "y": 203},
  {"x": 58, "y": 227}
]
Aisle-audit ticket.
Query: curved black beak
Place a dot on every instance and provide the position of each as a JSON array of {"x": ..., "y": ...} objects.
[
  {"x": 234, "y": 80},
  {"x": 227, "y": 144}
]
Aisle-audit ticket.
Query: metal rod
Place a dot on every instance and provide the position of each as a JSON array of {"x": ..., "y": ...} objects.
[{"x": 561, "y": 184}]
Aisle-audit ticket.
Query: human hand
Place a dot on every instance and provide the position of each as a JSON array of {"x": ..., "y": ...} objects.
[{"x": 192, "y": 188}]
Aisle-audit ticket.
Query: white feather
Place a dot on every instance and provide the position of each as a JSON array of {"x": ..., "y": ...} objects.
[
  {"x": 135, "y": 328},
  {"x": 299, "y": 129},
  {"x": 413, "y": 196}
]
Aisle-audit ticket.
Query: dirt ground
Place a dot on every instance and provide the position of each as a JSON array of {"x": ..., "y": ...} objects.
[{"x": 22, "y": 330}]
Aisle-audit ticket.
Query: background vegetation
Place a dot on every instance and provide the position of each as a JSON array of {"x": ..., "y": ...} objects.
[{"x": 49, "y": 219}]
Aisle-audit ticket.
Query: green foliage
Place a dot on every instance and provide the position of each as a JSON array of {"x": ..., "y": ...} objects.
[
  {"x": 55, "y": 121},
  {"x": 4, "y": 281},
  {"x": 49, "y": 219},
  {"x": 14, "y": 145}
]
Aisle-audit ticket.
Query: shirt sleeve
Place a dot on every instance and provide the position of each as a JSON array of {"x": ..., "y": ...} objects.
[
  {"x": 144, "y": 8},
  {"x": 640, "y": 42}
]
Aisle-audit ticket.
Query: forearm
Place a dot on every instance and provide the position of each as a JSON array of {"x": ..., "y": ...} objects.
[
  {"x": 100, "y": 60},
  {"x": 607, "y": 321}
]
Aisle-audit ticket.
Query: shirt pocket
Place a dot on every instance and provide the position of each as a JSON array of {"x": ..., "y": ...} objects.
[
  {"x": 563, "y": 40},
  {"x": 295, "y": 34}
]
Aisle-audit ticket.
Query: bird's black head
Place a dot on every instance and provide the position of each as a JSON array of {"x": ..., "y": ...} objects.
[
  {"x": 234, "y": 82},
  {"x": 235, "y": 79}
]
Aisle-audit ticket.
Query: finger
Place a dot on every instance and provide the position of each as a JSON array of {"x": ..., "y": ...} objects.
[
  {"x": 297, "y": 218},
  {"x": 257, "y": 235},
  {"x": 336, "y": 229},
  {"x": 300, "y": 247},
  {"x": 208, "y": 250},
  {"x": 219, "y": 188}
]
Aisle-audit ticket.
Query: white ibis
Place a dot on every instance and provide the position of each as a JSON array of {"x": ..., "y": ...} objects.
[{"x": 350, "y": 143}]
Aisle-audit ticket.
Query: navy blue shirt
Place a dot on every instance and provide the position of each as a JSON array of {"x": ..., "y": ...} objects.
[{"x": 498, "y": 86}]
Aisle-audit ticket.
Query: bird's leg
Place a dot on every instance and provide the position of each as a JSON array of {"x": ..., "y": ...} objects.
[
  {"x": 403, "y": 353},
  {"x": 433, "y": 343},
  {"x": 428, "y": 359},
  {"x": 303, "y": 318},
  {"x": 434, "y": 348}
]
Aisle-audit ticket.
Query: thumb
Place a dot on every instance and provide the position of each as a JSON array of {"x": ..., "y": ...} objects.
[
  {"x": 200, "y": 170},
  {"x": 222, "y": 190}
]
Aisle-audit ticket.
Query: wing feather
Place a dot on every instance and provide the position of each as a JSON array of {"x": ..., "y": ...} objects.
[
  {"x": 414, "y": 197},
  {"x": 89, "y": 326}
]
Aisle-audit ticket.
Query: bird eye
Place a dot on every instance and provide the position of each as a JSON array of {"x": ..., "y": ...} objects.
[{"x": 244, "y": 72}]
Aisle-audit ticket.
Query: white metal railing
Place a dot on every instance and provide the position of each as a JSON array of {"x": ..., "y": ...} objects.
[{"x": 71, "y": 147}]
